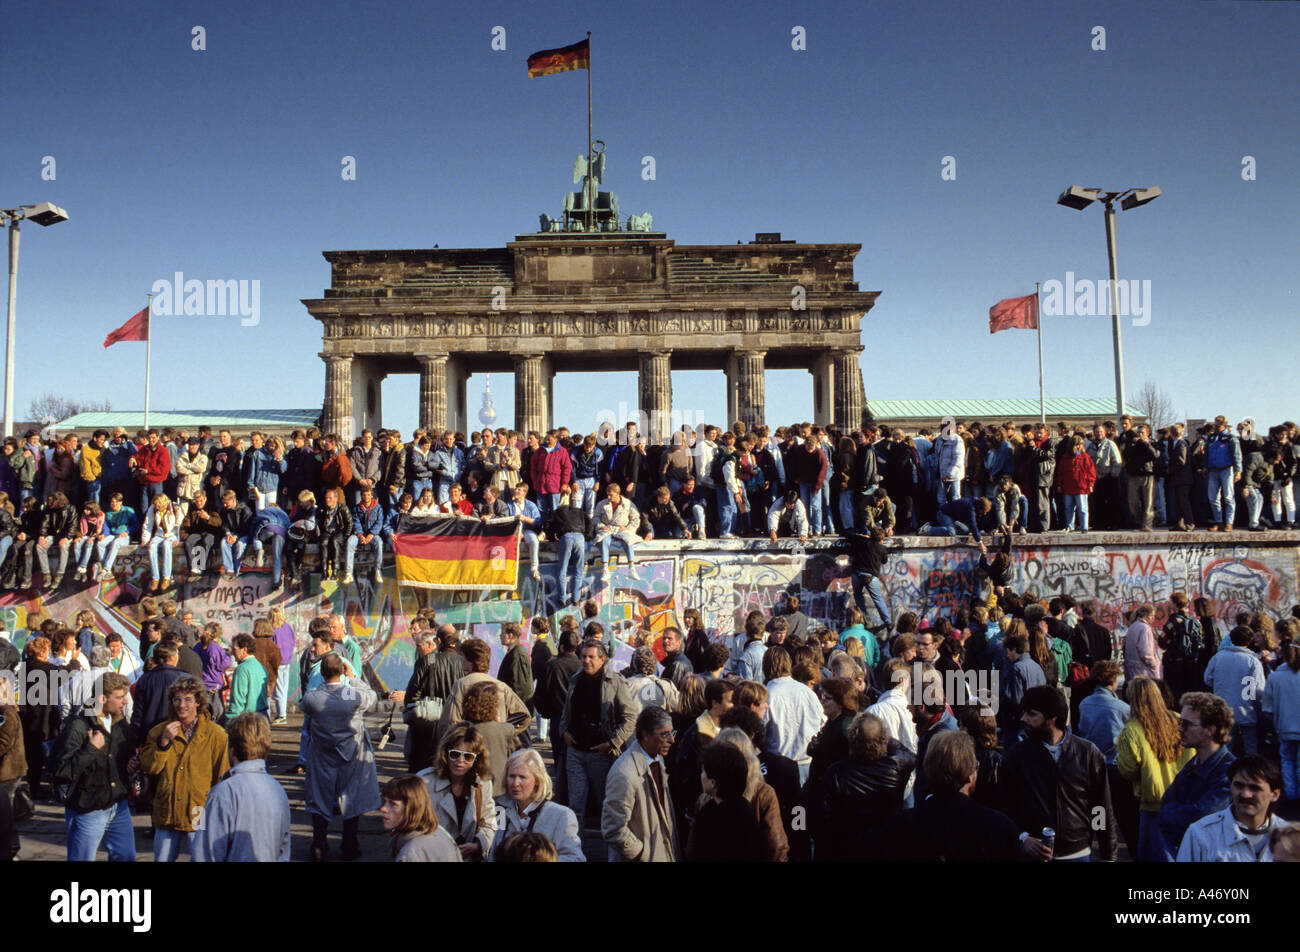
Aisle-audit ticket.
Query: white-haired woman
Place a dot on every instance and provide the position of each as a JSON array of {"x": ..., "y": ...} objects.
[{"x": 527, "y": 807}]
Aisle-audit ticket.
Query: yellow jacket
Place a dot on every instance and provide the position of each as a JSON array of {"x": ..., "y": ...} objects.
[
  {"x": 91, "y": 466},
  {"x": 183, "y": 774},
  {"x": 1136, "y": 761}
]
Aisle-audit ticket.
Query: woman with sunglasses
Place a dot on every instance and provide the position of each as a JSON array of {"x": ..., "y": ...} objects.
[
  {"x": 409, "y": 817},
  {"x": 460, "y": 786},
  {"x": 527, "y": 807}
]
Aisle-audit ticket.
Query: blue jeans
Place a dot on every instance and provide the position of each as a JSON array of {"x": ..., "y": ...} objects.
[
  {"x": 280, "y": 700},
  {"x": 948, "y": 492},
  {"x": 92, "y": 491},
  {"x": 83, "y": 548},
  {"x": 147, "y": 494},
  {"x": 695, "y": 519},
  {"x": 726, "y": 511},
  {"x": 167, "y": 845},
  {"x": 1151, "y": 843},
  {"x": 587, "y": 771},
  {"x": 1022, "y": 513},
  {"x": 534, "y": 543},
  {"x": 847, "y": 518},
  {"x": 1223, "y": 501},
  {"x": 277, "y": 553},
  {"x": 547, "y": 503},
  {"x": 588, "y": 495},
  {"x": 1254, "y": 500},
  {"x": 948, "y": 526},
  {"x": 107, "y": 548},
  {"x": 865, "y": 581},
  {"x": 232, "y": 555},
  {"x": 1076, "y": 511},
  {"x": 573, "y": 550},
  {"x": 112, "y": 826},
  {"x": 1289, "y": 751},
  {"x": 354, "y": 543},
  {"x": 443, "y": 492},
  {"x": 164, "y": 545},
  {"x": 418, "y": 486},
  {"x": 604, "y": 542},
  {"x": 826, "y": 506},
  {"x": 812, "y": 503}
]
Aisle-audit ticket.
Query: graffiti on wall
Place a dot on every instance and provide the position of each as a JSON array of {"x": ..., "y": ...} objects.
[{"x": 724, "y": 585}]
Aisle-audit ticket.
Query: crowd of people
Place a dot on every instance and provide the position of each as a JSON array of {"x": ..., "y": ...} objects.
[
  {"x": 194, "y": 499},
  {"x": 1016, "y": 730}
]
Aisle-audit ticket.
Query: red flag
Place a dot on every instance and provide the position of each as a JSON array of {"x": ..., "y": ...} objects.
[
  {"x": 1021, "y": 312},
  {"x": 137, "y": 328}
]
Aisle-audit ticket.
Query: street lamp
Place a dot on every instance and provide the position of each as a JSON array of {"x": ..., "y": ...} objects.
[
  {"x": 1080, "y": 198},
  {"x": 43, "y": 214}
]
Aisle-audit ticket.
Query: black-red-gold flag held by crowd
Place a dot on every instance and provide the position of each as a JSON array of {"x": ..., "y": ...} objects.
[{"x": 446, "y": 552}]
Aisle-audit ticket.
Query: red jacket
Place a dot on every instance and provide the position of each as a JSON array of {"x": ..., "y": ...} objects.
[
  {"x": 1077, "y": 474},
  {"x": 154, "y": 462},
  {"x": 335, "y": 474},
  {"x": 550, "y": 471}
]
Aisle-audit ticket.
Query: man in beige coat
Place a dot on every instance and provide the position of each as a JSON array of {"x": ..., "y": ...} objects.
[
  {"x": 637, "y": 818},
  {"x": 478, "y": 658}
]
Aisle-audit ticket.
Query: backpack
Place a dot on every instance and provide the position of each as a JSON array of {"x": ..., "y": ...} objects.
[
  {"x": 61, "y": 785},
  {"x": 1183, "y": 638},
  {"x": 1219, "y": 453},
  {"x": 1064, "y": 656},
  {"x": 720, "y": 459}
]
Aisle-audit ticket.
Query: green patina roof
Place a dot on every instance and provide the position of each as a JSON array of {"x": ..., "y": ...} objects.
[
  {"x": 190, "y": 419},
  {"x": 992, "y": 410}
]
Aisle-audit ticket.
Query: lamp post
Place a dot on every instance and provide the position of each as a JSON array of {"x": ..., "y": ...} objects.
[
  {"x": 43, "y": 214},
  {"x": 1078, "y": 198}
]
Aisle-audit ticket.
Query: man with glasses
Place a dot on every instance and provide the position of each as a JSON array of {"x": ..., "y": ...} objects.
[
  {"x": 1201, "y": 787},
  {"x": 597, "y": 721},
  {"x": 636, "y": 820}
]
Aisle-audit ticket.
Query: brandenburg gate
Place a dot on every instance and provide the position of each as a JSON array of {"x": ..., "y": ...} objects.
[{"x": 585, "y": 297}]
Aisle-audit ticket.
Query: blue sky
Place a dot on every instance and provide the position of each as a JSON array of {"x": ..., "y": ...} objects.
[{"x": 225, "y": 163}]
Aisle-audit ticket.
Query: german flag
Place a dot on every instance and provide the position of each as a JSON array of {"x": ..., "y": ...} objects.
[
  {"x": 456, "y": 553},
  {"x": 577, "y": 56}
]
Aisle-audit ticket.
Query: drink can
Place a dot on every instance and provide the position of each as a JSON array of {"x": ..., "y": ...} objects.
[{"x": 1049, "y": 838}]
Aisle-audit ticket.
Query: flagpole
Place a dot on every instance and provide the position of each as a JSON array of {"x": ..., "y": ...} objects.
[
  {"x": 148, "y": 353},
  {"x": 1038, "y": 320},
  {"x": 591, "y": 201}
]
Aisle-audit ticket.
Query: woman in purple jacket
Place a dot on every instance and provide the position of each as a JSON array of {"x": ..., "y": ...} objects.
[
  {"x": 285, "y": 641},
  {"x": 216, "y": 661}
]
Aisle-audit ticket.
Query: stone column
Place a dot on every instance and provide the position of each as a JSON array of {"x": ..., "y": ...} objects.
[
  {"x": 433, "y": 393},
  {"x": 747, "y": 381},
  {"x": 532, "y": 393},
  {"x": 337, "y": 416},
  {"x": 823, "y": 373},
  {"x": 655, "y": 394},
  {"x": 849, "y": 402}
]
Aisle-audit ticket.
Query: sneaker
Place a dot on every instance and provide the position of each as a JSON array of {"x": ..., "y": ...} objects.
[
  {"x": 730, "y": 535},
  {"x": 260, "y": 554},
  {"x": 280, "y": 720},
  {"x": 347, "y": 579},
  {"x": 81, "y": 575},
  {"x": 379, "y": 575},
  {"x": 1258, "y": 529},
  {"x": 94, "y": 573},
  {"x": 536, "y": 575}
]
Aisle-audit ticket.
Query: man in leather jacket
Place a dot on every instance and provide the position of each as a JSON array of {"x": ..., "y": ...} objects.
[
  {"x": 1056, "y": 779},
  {"x": 861, "y": 794}
]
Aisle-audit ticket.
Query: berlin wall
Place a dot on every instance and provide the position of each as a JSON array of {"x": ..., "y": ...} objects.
[{"x": 724, "y": 580}]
